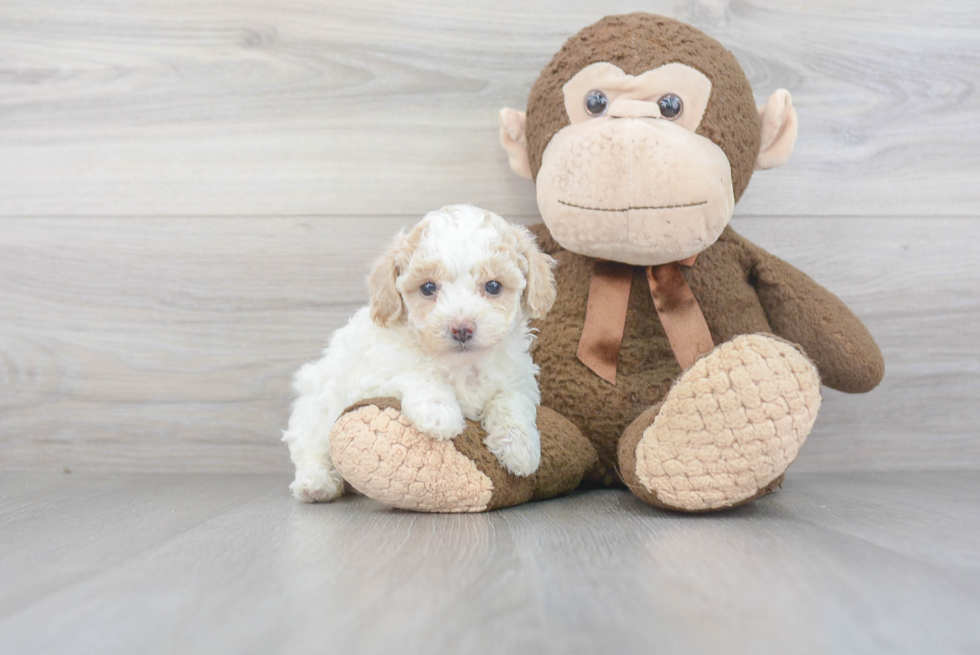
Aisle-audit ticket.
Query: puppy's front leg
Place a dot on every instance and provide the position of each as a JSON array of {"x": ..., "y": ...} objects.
[
  {"x": 510, "y": 419},
  {"x": 317, "y": 479},
  {"x": 432, "y": 408}
]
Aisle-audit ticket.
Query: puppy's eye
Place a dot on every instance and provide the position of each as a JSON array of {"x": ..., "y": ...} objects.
[
  {"x": 671, "y": 106},
  {"x": 596, "y": 103},
  {"x": 493, "y": 287},
  {"x": 428, "y": 288}
]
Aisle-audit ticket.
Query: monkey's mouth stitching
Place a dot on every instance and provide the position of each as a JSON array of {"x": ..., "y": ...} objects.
[{"x": 626, "y": 209}]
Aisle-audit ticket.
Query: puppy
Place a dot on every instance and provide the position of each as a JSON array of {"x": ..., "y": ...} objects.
[{"x": 446, "y": 333}]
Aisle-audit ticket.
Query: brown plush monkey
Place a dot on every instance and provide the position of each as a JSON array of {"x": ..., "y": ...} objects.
[{"x": 679, "y": 359}]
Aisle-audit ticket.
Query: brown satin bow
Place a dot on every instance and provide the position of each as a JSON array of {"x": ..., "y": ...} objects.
[{"x": 605, "y": 315}]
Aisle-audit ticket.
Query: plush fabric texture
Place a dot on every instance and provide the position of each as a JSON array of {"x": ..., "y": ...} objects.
[
  {"x": 778, "y": 127},
  {"x": 692, "y": 85},
  {"x": 637, "y": 43},
  {"x": 718, "y": 435},
  {"x": 741, "y": 289},
  {"x": 627, "y": 458},
  {"x": 381, "y": 456},
  {"x": 590, "y": 429},
  {"x": 620, "y": 190},
  {"x": 730, "y": 426}
]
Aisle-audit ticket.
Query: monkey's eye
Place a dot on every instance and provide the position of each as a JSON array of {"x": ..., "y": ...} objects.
[
  {"x": 596, "y": 103},
  {"x": 428, "y": 288},
  {"x": 493, "y": 287},
  {"x": 670, "y": 106}
]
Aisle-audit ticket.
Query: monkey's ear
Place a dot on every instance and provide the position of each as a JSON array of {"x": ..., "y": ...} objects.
[
  {"x": 777, "y": 127},
  {"x": 514, "y": 140}
]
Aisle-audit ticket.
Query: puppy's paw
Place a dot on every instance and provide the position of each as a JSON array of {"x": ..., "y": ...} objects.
[
  {"x": 517, "y": 449},
  {"x": 439, "y": 419},
  {"x": 317, "y": 484}
]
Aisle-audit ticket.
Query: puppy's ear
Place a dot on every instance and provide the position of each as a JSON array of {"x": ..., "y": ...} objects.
[
  {"x": 540, "y": 292},
  {"x": 386, "y": 302}
]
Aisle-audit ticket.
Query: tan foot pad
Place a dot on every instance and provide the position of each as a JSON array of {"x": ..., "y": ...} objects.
[
  {"x": 387, "y": 459},
  {"x": 732, "y": 424}
]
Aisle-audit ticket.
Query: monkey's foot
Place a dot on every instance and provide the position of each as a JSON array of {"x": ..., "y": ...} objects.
[
  {"x": 727, "y": 430},
  {"x": 381, "y": 455}
]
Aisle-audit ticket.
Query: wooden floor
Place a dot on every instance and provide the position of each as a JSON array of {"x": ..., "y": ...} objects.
[{"x": 194, "y": 563}]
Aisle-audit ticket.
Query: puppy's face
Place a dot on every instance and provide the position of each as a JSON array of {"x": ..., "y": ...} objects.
[{"x": 461, "y": 279}]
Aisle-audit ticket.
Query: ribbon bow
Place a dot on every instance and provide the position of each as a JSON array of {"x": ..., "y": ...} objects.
[{"x": 605, "y": 315}]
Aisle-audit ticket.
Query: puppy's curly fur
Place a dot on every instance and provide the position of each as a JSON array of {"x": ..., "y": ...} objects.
[{"x": 446, "y": 333}]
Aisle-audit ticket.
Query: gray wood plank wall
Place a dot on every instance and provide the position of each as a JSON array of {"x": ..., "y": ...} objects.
[{"x": 191, "y": 194}]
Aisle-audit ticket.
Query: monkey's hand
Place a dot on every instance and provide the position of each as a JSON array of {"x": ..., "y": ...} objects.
[{"x": 802, "y": 311}]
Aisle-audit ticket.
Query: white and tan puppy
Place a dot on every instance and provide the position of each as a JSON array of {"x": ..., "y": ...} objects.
[{"x": 446, "y": 333}]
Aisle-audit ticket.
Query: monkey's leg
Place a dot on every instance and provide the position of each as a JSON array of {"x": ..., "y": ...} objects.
[
  {"x": 728, "y": 429},
  {"x": 382, "y": 456}
]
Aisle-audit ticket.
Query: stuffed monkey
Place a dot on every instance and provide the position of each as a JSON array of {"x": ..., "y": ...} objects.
[{"x": 680, "y": 359}]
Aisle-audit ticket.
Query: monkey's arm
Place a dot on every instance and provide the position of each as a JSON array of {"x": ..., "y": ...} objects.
[{"x": 805, "y": 313}]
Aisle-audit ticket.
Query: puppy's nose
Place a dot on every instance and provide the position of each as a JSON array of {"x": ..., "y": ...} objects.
[{"x": 462, "y": 330}]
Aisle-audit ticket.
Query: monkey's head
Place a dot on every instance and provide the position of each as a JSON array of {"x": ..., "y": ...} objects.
[{"x": 640, "y": 135}]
